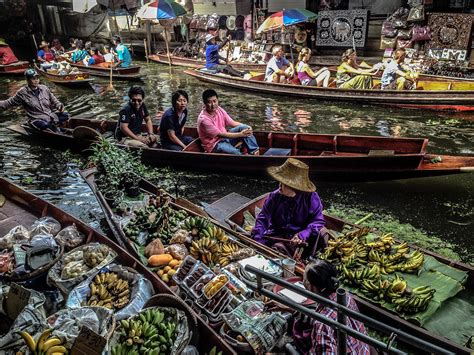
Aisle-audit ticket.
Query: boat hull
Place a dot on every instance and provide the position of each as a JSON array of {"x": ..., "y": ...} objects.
[
  {"x": 456, "y": 100},
  {"x": 14, "y": 68},
  {"x": 131, "y": 73},
  {"x": 78, "y": 80}
]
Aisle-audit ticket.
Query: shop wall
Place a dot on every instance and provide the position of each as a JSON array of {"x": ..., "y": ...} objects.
[
  {"x": 278, "y": 5},
  {"x": 222, "y": 7}
]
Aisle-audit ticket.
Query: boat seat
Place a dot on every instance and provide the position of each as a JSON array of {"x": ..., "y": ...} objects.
[
  {"x": 278, "y": 151},
  {"x": 209, "y": 71},
  {"x": 381, "y": 152}
]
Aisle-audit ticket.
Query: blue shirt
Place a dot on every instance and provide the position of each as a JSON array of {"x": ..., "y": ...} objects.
[
  {"x": 123, "y": 55},
  {"x": 78, "y": 55},
  {"x": 212, "y": 55},
  {"x": 274, "y": 65},
  {"x": 171, "y": 121}
]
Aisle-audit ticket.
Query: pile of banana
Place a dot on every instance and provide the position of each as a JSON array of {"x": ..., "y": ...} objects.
[
  {"x": 415, "y": 302},
  {"x": 211, "y": 251},
  {"x": 152, "y": 332},
  {"x": 46, "y": 344},
  {"x": 195, "y": 225},
  {"x": 109, "y": 290}
]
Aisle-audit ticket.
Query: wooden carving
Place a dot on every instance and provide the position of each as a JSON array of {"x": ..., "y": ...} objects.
[{"x": 451, "y": 31}]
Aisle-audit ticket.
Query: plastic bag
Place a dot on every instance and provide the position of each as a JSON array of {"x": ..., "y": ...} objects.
[
  {"x": 7, "y": 262},
  {"x": 95, "y": 254},
  {"x": 66, "y": 285},
  {"x": 177, "y": 251},
  {"x": 32, "y": 320},
  {"x": 74, "y": 269},
  {"x": 68, "y": 322},
  {"x": 179, "y": 237},
  {"x": 45, "y": 225},
  {"x": 43, "y": 240},
  {"x": 17, "y": 235},
  {"x": 141, "y": 291},
  {"x": 70, "y": 237}
]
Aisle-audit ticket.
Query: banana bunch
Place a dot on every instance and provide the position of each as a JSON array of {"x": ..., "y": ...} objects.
[
  {"x": 214, "y": 232},
  {"x": 195, "y": 225},
  {"x": 397, "y": 289},
  {"x": 46, "y": 344},
  {"x": 226, "y": 253},
  {"x": 203, "y": 249},
  {"x": 375, "y": 289},
  {"x": 361, "y": 274},
  {"x": 418, "y": 300},
  {"x": 382, "y": 243},
  {"x": 151, "y": 332},
  {"x": 108, "y": 290},
  {"x": 413, "y": 263},
  {"x": 399, "y": 252}
]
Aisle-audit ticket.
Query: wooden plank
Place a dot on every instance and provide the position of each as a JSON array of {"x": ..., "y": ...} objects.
[{"x": 221, "y": 208}]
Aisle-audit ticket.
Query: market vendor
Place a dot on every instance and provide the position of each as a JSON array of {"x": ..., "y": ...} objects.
[
  {"x": 293, "y": 212},
  {"x": 131, "y": 117},
  {"x": 44, "y": 53},
  {"x": 314, "y": 337},
  {"x": 6, "y": 54},
  {"x": 394, "y": 76},
  {"x": 44, "y": 110},
  {"x": 213, "y": 57},
  {"x": 278, "y": 67},
  {"x": 351, "y": 75}
]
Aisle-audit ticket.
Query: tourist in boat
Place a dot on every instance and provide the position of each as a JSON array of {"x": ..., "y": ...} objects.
[
  {"x": 44, "y": 110},
  {"x": 173, "y": 121},
  {"x": 124, "y": 59},
  {"x": 131, "y": 117},
  {"x": 213, "y": 57},
  {"x": 350, "y": 75},
  {"x": 215, "y": 138},
  {"x": 394, "y": 76},
  {"x": 79, "y": 53},
  {"x": 44, "y": 54},
  {"x": 108, "y": 55},
  {"x": 56, "y": 48},
  {"x": 314, "y": 337},
  {"x": 278, "y": 67},
  {"x": 95, "y": 57},
  {"x": 6, "y": 54},
  {"x": 293, "y": 212},
  {"x": 306, "y": 75}
]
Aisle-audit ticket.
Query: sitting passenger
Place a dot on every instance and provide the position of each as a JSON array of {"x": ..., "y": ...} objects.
[
  {"x": 278, "y": 66},
  {"x": 44, "y": 54},
  {"x": 173, "y": 121},
  {"x": 294, "y": 212},
  {"x": 213, "y": 57},
  {"x": 131, "y": 117},
  {"x": 95, "y": 57},
  {"x": 79, "y": 53},
  {"x": 212, "y": 123},
  {"x": 57, "y": 48},
  {"x": 306, "y": 75},
  {"x": 124, "y": 59},
  {"x": 108, "y": 55},
  {"x": 6, "y": 54},
  {"x": 350, "y": 75},
  {"x": 392, "y": 70}
]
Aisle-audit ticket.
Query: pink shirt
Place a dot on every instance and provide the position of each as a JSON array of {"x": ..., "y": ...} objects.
[{"x": 210, "y": 125}]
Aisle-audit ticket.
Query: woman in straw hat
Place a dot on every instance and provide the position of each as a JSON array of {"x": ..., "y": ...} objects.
[
  {"x": 44, "y": 54},
  {"x": 293, "y": 212},
  {"x": 6, "y": 54}
]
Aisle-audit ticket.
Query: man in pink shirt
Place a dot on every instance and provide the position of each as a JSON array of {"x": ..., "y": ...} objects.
[{"x": 215, "y": 138}]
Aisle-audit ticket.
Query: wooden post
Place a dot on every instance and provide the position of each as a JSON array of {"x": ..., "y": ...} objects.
[
  {"x": 148, "y": 36},
  {"x": 146, "y": 50},
  {"x": 130, "y": 34},
  {"x": 167, "y": 47},
  {"x": 228, "y": 53}
]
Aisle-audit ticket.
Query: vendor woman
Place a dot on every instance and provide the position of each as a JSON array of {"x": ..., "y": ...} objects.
[
  {"x": 293, "y": 212},
  {"x": 314, "y": 337}
]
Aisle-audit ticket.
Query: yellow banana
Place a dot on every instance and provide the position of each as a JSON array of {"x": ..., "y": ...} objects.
[
  {"x": 42, "y": 339},
  {"x": 56, "y": 349},
  {"x": 29, "y": 340},
  {"x": 49, "y": 344}
]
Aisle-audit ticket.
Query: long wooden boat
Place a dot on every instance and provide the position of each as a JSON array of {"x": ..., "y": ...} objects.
[
  {"x": 236, "y": 222},
  {"x": 17, "y": 68},
  {"x": 200, "y": 63},
  {"x": 453, "y": 96},
  {"x": 365, "y": 306},
  {"x": 131, "y": 73},
  {"x": 22, "y": 207},
  {"x": 71, "y": 80},
  {"x": 330, "y": 157}
]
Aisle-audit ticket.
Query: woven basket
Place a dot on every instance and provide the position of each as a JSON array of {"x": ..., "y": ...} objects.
[{"x": 166, "y": 300}]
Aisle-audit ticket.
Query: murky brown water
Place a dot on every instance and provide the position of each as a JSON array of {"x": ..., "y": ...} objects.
[{"x": 442, "y": 206}]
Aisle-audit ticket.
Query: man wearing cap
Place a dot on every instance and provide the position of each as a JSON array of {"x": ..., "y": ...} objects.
[
  {"x": 293, "y": 212},
  {"x": 43, "y": 109},
  {"x": 212, "y": 56},
  {"x": 6, "y": 54},
  {"x": 123, "y": 54}
]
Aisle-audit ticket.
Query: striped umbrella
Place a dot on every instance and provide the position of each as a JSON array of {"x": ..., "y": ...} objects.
[
  {"x": 161, "y": 10},
  {"x": 286, "y": 17}
]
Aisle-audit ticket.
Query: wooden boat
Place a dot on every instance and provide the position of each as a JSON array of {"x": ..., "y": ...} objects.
[
  {"x": 131, "y": 73},
  {"x": 365, "y": 306},
  {"x": 70, "y": 80},
  {"x": 236, "y": 220},
  {"x": 455, "y": 96},
  {"x": 330, "y": 157},
  {"x": 22, "y": 207},
  {"x": 200, "y": 63},
  {"x": 17, "y": 68}
]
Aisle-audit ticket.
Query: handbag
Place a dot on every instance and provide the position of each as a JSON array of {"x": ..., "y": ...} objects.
[
  {"x": 403, "y": 43},
  {"x": 386, "y": 42},
  {"x": 399, "y": 18},
  {"x": 404, "y": 33},
  {"x": 388, "y": 30},
  {"x": 421, "y": 33},
  {"x": 416, "y": 14}
]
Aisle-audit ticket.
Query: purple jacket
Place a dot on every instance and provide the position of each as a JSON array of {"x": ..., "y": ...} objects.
[
  {"x": 285, "y": 216},
  {"x": 39, "y": 106}
]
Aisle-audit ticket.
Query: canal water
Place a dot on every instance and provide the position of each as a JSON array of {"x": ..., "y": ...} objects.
[{"x": 441, "y": 207}]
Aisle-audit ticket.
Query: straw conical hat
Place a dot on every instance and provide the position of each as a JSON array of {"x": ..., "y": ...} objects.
[
  {"x": 293, "y": 173},
  {"x": 2, "y": 42}
]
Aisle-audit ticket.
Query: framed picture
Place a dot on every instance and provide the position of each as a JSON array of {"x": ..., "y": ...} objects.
[{"x": 342, "y": 28}]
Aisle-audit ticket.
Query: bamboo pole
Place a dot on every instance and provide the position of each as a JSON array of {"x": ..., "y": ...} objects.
[
  {"x": 130, "y": 34},
  {"x": 167, "y": 47},
  {"x": 146, "y": 50}
]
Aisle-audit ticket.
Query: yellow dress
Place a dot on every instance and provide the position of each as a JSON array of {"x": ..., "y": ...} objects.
[{"x": 348, "y": 77}]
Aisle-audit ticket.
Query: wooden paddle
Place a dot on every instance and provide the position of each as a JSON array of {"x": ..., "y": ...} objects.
[
  {"x": 111, "y": 86},
  {"x": 228, "y": 52}
]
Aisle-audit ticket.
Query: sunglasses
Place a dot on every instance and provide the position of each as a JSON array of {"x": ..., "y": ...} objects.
[{"x": 136, "y": 100}]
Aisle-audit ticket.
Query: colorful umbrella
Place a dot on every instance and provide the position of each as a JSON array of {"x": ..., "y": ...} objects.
[
  {"x": 161, "y": 10},
  {"x": 286, "y": 17}
]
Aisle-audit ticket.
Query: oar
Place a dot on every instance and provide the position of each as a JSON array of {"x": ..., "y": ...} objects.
[
  {"x": 363, "y": 219},
  {"x": 228, "y": 53},
  {"x": 111, "y": 86},
  {"x": 284, "y": 240}
]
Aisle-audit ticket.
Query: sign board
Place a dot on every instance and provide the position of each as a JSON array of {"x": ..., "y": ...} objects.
[
  {"x": 88, "y": 342},
  {"x": 447, "y": 54},
  {"x": 342, "y": 28},
  {"x": 17, "y": 299}
]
